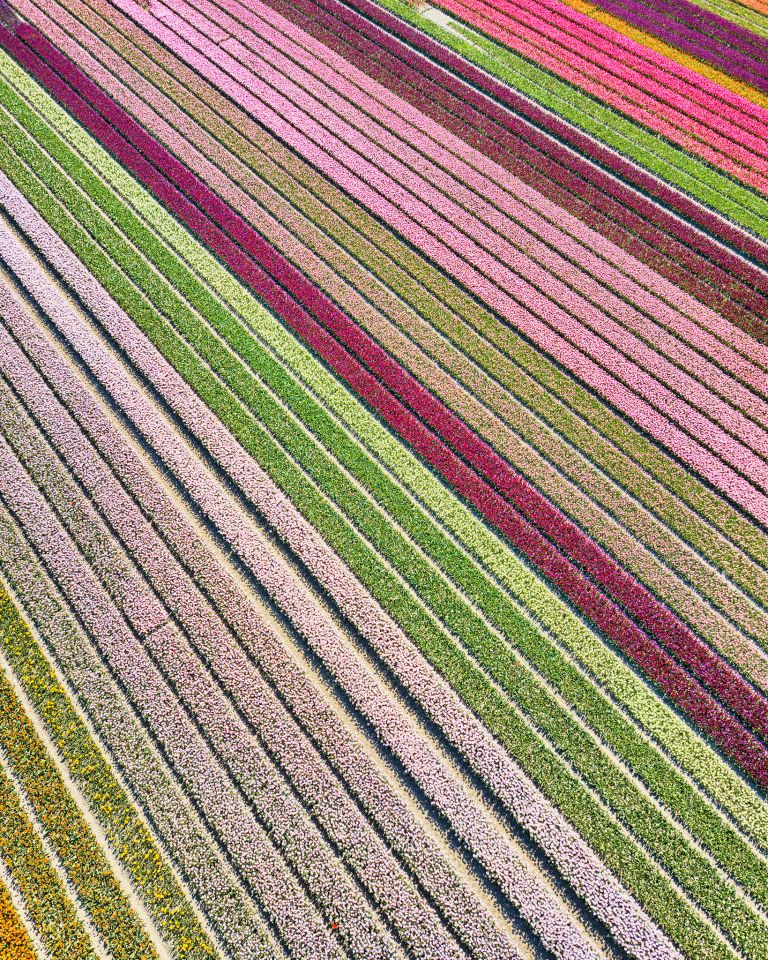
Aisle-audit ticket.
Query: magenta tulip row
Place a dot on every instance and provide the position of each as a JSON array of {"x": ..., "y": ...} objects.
[
  {"x": 620, "y": 166},
  {"x": 691, "y": 450},
  {"x": 710, "y": 38},
  {"x": 567, "y": 852},
  {"x": 562, "y": 252},
  {"x": 726, "y": 682},
  {"x": 487, "y": 255},
  {"x": 578, "y": 54},
  {"x": 611, "y": 208}
]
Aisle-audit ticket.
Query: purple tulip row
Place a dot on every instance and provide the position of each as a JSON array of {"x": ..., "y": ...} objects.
[
  {"x": 203, "y": 867},
  {"x": 623, "y": 168},
  {"x": 568, "y": 853},
  {"x": 343, "y": 823},
  {"x": 563, "y": 261},
  {"x": 576, "y": 53},
  {"x": 654, "y": 660},
  {"x": 706, "y": 36},
  {"x": 637, "y": 408},
  {"x": 295, "y": 238},
  {"x": 612, "y": 209}
]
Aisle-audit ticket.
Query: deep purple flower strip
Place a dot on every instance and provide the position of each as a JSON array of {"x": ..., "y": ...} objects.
[
  {"x": 624, "y": 169},
  {"x": 733, "y": 55},
  {"x": 606, "y": 205},
  {"x": 728, "y": 684}
]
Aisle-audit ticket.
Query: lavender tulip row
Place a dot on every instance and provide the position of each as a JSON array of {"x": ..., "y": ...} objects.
[
  {"x": 203, "y": 868},
  {"x": 239, "y": 754},
  {"x": 325, "y": 565},
  {"x": 719, "y": 633},
  {"x": 230, "y": 816},
  {"x": 501, "y": 338},
  {"x": 496, "y": 859},
  {"x": 233, "y": 744},
  {"x": 690, "y": 450},
  {"x": 731, "y": 686},
  {"x": 166, "y": 226}
]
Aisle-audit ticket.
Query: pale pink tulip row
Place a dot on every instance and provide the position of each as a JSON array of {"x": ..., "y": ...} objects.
[
  {"x": 485, "y": 236},
  {"x": 597, "y": 256},
  {"x": 227, "y": 812},
  {"x": 233, "y": 743},
  {"x": 566, "y": 850},
  {"x": 341, "y": 820},
  {"x": 499, "y": 858},
  {"x": 720, "y": 474},
  {"x": 603, "y": 75},
  {"x": 287, "y": 231},
  {"x": 203, "y": 867}
]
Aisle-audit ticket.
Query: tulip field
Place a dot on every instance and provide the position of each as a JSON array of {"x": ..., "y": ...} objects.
[{"x": 383, "y": 479}]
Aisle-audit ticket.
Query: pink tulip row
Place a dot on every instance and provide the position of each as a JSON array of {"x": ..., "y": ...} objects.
[
  {"x": 581, "y": 61},
  {"x": 658, "y": 381},
  {"x": 710, "y": 38},
  {"x": 516, "y": 213},
  {"x": 610, "y": 208},
  {"x": 126, "y": 653},
  {"x": 153, "y": 108},
  {"x": 343, "y": 823},
  {"x": 203, "y": 867},
  {"x": 581, "y": 869},
  {"x": 690, "y": 450},
  {"x": 496, "y": 860},
  {"x": 715, "y": 254},
  {"x": 655, "y": 74},
  {"x": 736, "y": 741}
]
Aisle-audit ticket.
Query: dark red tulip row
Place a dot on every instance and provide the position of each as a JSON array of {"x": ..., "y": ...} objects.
[
  {"x": 479, "y": 83},
  {"x": 677, "y": 252},
  {"x": 313, "y": 316}
]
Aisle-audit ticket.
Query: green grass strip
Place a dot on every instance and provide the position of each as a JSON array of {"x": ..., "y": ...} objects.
[
  {"x": 146, "y": 866},
  {"x": 618, "y": 448},
  {"x": 739, "y": 203},
  {"x": 453, "y": 662},
  {"x": 46, "y": 900},
  {"x": 69, "y": 833}
]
